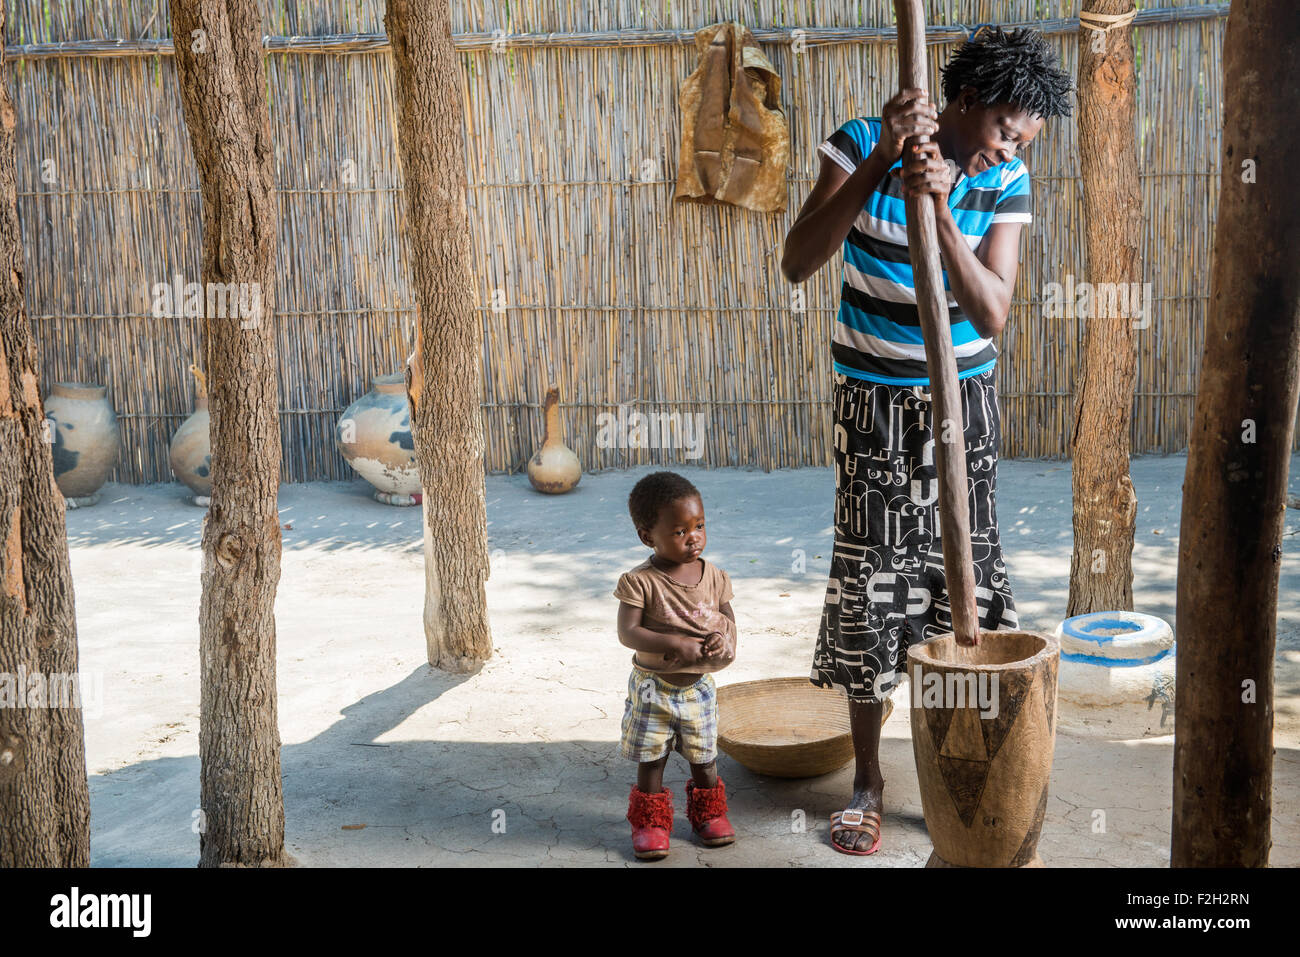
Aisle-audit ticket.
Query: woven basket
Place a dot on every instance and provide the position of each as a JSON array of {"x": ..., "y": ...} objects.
[{"x": 786, "y": 727}]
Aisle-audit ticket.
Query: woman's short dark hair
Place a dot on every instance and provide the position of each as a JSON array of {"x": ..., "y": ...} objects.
[
  {"x": 1009, "y": 66},
  {"x": 652, "y": 493}
]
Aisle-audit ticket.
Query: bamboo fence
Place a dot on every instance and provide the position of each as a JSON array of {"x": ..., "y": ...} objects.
[{"x": 587, "y": 275}]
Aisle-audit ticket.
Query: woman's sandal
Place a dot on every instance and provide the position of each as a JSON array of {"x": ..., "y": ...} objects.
[{"x": 860, "y": 822}]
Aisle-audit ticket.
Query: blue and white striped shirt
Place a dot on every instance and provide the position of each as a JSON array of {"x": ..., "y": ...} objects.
[{"x": 878, "y": 329}]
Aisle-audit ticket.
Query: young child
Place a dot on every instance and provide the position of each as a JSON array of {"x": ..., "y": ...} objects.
[{"x": 675, "y": 613}]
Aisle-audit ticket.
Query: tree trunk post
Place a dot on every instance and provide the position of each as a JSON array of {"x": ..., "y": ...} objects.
[
  {"x": 1105, "y": 504},
  {"x": 222, "y": 76},
  {"x": 44, "y": 799},
  {"x": 1234, "y": 493},
  {"x": 447, "y": 416}
]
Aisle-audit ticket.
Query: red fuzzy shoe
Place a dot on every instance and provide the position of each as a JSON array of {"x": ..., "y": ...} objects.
[
  {"x": 706, "y": 808},
  {"x": 651, "y": 816}
]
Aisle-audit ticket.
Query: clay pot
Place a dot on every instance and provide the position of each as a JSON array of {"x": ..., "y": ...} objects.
[
  {"x": 84, "y": 432},
  {"x": 983, "y": 732},
  {"x": 554, "y": 469},
  {"x": 374, "y": 435},
  {"x": 191, "y": 448},
  {"x": 1117, "y": 674}
]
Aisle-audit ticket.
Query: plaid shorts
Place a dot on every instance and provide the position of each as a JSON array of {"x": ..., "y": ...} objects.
[{"x": 660, "y": 717}]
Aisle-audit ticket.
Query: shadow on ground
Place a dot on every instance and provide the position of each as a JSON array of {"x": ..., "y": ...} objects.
[
  {"x": 358, "y": 794},
  {"x": 429, "y": 763}
]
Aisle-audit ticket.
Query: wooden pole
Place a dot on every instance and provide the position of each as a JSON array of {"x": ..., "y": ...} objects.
[
  {"x": 222, "y": 77},
  {"x": 447, "y": 368},
  {"x": 1105, "y": 505},
  {"x": 941, "y": 363},
  {"x": 1234, "y": 491},
  {"x": 44, "y": 800}
]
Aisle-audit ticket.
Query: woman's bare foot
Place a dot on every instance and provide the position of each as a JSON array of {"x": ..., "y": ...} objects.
[{"x": 868, "y": 783}]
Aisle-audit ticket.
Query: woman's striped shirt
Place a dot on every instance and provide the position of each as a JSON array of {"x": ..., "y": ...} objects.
[{"x": 878, "y": 329}]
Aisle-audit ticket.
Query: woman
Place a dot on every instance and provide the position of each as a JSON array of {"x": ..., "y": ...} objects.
[{"x": 887, "y": 585}]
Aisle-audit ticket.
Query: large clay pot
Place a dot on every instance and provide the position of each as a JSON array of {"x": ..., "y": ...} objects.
[
  {"x": 86, "y": 444},
  {"x": 191, "y": 448},
  {"x": 983, "y": 732},
  {"x": 374, "y": 435},
  {"x": 1117, "y": 674},
  {"x": 554, "y": 469}
]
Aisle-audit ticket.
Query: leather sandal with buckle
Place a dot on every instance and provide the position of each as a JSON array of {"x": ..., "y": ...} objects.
[{"x": 859, "y": 822}]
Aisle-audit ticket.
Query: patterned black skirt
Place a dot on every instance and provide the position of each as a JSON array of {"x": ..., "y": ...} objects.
[{"x": 887, "y": 586}]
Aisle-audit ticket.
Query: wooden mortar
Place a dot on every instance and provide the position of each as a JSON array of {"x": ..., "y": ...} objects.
[{"x": 983, "y": 733}]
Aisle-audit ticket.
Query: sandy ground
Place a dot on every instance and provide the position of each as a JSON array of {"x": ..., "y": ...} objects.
[{"x": 518, "y": 764}]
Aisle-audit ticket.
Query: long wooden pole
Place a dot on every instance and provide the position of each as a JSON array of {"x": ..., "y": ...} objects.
[
  {"x": 941, "y": 363},
  {"x": 447, "y": 370},
  {"x": 1105, "y": 503},
  {"x": 221, "y": 74},
  {"x": 1234, "y": 491},
  {"x": 44, "y": 801}
]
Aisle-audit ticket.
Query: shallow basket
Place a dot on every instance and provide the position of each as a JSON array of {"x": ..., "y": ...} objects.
[{"x": 786, "y": 727}]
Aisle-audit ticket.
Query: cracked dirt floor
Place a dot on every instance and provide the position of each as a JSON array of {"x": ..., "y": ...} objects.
[{"x": 517, "y": 765}]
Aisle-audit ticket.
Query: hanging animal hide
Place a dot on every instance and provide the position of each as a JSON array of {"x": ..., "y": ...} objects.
[{"x": 735, "y": 139}]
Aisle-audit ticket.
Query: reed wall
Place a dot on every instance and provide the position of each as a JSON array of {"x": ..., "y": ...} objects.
[{"x": 587, "y": 274}]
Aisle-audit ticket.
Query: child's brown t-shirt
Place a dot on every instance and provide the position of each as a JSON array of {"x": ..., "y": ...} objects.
[{"x": 670, "y": 606}]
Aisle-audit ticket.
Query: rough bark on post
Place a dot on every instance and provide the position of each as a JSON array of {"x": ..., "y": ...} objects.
[
  {"x": 219, "y": 65},
  {"x": 44, "y": 801},
  {"x": 1105, "y": 505},
  {"x": 448, "y": 419},
  {"x": 1234, "y": 493}
]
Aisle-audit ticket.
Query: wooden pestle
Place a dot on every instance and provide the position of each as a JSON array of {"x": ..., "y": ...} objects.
[{"x": 941, "y": 363}]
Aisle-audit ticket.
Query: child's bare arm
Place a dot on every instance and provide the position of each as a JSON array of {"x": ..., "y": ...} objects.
[{"x": 632, "y": 634}]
